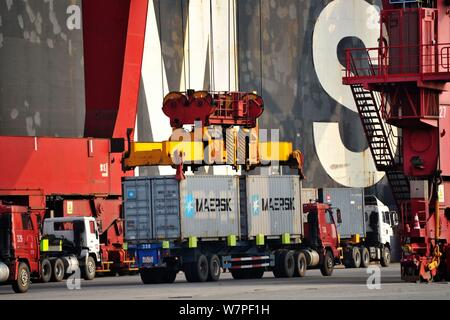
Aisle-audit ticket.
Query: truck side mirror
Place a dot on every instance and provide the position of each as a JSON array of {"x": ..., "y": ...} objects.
[
  {"x": 338, "y": 216},
  {"x": 394, "y": 218}
]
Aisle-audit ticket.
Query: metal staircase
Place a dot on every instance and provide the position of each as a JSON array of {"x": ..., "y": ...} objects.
[{"x": 382, "y": 141}]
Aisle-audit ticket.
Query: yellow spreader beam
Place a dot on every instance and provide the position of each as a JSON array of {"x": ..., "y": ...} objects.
[{"x": 173, "y": 153}]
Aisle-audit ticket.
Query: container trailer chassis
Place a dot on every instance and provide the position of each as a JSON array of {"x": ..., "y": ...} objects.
[{"x": 205, "y": 259}]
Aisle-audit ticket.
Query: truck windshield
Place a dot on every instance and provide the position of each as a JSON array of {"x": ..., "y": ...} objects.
[
  {"x": 5, "y": 225},
  {"x": 63, "y": 226}
]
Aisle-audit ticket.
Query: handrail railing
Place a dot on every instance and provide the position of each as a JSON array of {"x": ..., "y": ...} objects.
[{"x": 409, "y": 60}]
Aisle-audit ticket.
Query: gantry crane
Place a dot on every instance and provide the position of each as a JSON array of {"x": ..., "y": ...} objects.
[{"x": 403, "y": 83}]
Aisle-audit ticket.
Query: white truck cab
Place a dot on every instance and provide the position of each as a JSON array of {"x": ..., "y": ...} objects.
[
  {"x": 81, "y": 231},
  {"x": 379, "y": 220}
]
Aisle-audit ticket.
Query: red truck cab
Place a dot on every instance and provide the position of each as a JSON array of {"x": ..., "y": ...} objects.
[
  {"x": 322, "y": 235},
  {"x": 19, "y": 247}
]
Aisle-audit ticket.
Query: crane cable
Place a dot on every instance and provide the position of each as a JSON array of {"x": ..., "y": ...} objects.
[
  {"x": 189, "y": 41},
  {"x": 235, "y": 39},
  {"x": 211, "y": 47},
  {"x": 229, "y": 48},
  {"x": 160, "y": 47},
  {"x": 183, "y": 43},
  {"x": 260, "y": 47}
]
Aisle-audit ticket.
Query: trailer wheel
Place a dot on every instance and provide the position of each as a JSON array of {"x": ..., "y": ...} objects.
[
  {"x": 284, "y": 264},
  {"x": 214, "y": 268},
  {"x": 89, "y": 269},
  {"x": 300, "y": 264},
  {"x": 385, "y": 257},
  {"x": 22, "y": 283},
  {"x": 257, "y": 273},
  {"x": 365, "y": 257},
  {"x": 198, "y": 270},
  {"x": 356, "y": 257},
  {"x": 57, "y": 270},
  {"x": 169, "y": 276},
  {"x": 239, "y": 274},
  {"x": 327, "y": 266},
  {"x": 46, "y": 271},
  {"x": 347, "y": 261},
  {"x": 151, "y": 276}
]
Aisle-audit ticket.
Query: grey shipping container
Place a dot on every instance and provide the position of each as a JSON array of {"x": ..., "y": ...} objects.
[
  {"x": 309, "y": 195},
  {"x": 163, "y": 208},
  {"x": 209, "y": 206},
  {"x": 137, "y": 208},
  {"x": 351, "y": 203},
  {"x": 273, "y": 205}
]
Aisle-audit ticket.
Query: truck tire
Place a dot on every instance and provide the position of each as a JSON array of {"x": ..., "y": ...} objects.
[
  {"x": 239, "y": 274},
  {"x": 356, "y": 258},
  {"x": 385, "y": 257},
  {"x": 58, "y": 271},
  {"x": 347, "y": 261},
  {"x": 327, "y": 266},
  {"x": 365, "y": 257},
  {"x": 89, "y": 269},
  {"x": 300, "y": 264},
  {"x": 169, "y": 276},
  {"x": 151, "y": 276},
  {"x": 275, "y": 269},
  {"x": 284, "y": 264},
  {"x": 46, "y": 271},
  {"x": 22, "y": 283},
  {"x": 214, "y": 268},
  {"x": 198, "y": 270},
  {"x": 257, "y": 273}
]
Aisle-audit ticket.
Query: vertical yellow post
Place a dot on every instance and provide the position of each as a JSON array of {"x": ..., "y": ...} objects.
[
  {"x": 286, "y": 238},
  {"x": 259, "y": 239},
  {"x": 192, "y": 242},
  {"x": 231, "y": 240}
]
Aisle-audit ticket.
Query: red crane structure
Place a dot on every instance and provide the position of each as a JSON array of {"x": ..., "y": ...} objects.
[
  {"x": 401, "y": 92},
  {"x": 82, "y": 176}
]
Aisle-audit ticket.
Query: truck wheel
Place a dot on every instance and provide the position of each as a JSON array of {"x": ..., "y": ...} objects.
[
  {"x": 169, "y": 276},
  {"x": 238, "y": 274},
  {"x": 284, "y": 264},
  {"x": 300, "y": 264},
  {"x": 214, "y": 268},
  {"x": 347, "y": 261},
  {"x": 385, "y": 257},
  {"x": 356, "y": 258},
  {"x": 46, "y": 271},
  {"x": 198, "y": 270},
  {"x": 57, "y": 270},
  {"x": 328, "y": 264},
  {"x": 151, "y": 276},
  {"x": 22, "y": 283},
  {"x": 257, "y": 273},
  {"x": 89, "y": 269},
  {"x": 365, "y": 257}
]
